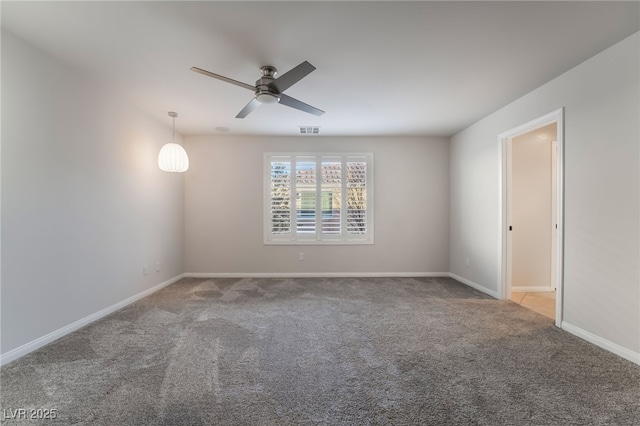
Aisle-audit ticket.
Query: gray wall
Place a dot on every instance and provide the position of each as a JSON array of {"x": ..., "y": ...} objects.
[
  {"x": 224, "y": 196},
  {"x": 602, "y": 134},
  {"x": 84, "y": 205}
]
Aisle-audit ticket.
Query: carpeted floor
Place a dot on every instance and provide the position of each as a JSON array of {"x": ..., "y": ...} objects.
[{"x": 397, "y": 351}]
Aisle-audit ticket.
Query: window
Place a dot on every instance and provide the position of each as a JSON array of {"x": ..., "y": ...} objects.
[{"x": 318, "y": 198}]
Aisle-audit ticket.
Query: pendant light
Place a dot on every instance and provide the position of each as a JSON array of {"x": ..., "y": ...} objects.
[{"x": 173, "y": 157}]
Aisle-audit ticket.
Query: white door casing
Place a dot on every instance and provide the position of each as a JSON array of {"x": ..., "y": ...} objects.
[{"x": 505, "y": 150}]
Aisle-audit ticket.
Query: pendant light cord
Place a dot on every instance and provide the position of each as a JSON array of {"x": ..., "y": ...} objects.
[{"x": 173, "y": 115}]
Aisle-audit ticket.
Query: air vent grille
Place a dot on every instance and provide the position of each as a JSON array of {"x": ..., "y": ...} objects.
[{"x": 309, "y": 130}]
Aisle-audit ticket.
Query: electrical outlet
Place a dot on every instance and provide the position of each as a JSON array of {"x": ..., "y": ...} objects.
[
  {"x": 300, "y": 257},
  {"x": 145, "y": 270},
  {"x": 157, "y": 266}
]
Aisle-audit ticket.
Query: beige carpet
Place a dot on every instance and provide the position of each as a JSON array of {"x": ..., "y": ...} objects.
[{"x": 323, "y": 351}]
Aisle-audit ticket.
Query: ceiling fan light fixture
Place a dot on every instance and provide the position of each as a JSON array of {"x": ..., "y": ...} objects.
[
  {"x": 172, "y": 156},
  {"x": 267, "y": 98}
]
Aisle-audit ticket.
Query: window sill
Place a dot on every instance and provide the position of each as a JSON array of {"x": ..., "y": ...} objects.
[{"x": 317, "y": 243}]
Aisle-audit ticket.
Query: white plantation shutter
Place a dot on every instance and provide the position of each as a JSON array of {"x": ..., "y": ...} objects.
[
  {"x": 356, "y": 197},
  {"x": 318, "y": 198},
  {"x": 306, "y": 185},
  {"x": 280, "y": 196},
  {"x": 331, "y": 196}
]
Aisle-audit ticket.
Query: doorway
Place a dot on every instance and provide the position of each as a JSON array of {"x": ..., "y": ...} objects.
[{"x": 531, "y": 219}]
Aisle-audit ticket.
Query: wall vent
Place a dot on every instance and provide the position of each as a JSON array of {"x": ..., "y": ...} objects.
[{"x": 309, "y": 130}]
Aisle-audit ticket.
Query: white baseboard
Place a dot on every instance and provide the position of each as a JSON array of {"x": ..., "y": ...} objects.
[
  {"x": 603, "y": 343},
  {"x": 478, "y": 287},
  {"x": 314, "y": 274},
  {"x": 55, "y": 335},
  {"x": 531, "y": 288},
  {"x": 340, "y": 275}
]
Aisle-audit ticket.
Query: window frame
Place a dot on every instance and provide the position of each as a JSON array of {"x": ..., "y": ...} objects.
[{"x": 317, "y": 237}]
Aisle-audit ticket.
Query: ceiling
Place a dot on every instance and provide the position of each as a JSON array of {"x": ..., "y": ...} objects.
[{"x": 383, "y": 68}]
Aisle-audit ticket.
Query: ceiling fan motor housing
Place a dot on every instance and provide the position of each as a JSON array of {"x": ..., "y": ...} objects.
[{"x": 265, "y": 92}]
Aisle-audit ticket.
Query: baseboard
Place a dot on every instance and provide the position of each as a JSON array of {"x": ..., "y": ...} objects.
[
  {"x": 603, "y": 343},
  {"x": 531, "y": 288},
  {"x": 478, "y": 287},
  {"x": 55, "y": 335},
  {"x": 340, "y": 275},
  {"x": 314, "y": 274}
]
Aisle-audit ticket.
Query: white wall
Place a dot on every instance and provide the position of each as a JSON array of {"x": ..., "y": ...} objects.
[
  {"x": 84, "y": 205},
  {"x": 531, "y": 208},
  {"x": 602, "y": 187},
  {"x": 224, "y": 211}
]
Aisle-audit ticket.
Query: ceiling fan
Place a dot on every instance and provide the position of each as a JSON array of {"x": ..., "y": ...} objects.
[{"x": 268, "y": 89}]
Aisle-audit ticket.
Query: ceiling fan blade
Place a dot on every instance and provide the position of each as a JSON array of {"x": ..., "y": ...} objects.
[
  {"x": 223, "y": 78},
  {"x": 294, "y": 103},
  {"x": 292, "y": 76},
  {"x": 247, "y": 109}
]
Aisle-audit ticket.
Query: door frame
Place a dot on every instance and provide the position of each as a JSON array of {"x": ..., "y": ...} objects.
[{"x": 504, "y": 144}]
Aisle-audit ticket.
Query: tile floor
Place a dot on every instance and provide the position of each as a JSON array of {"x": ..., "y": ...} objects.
[{"x": 543, "y": 302}]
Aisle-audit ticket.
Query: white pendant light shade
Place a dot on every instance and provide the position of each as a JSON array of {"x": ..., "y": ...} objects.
[{"x": 173, "y": 157}]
